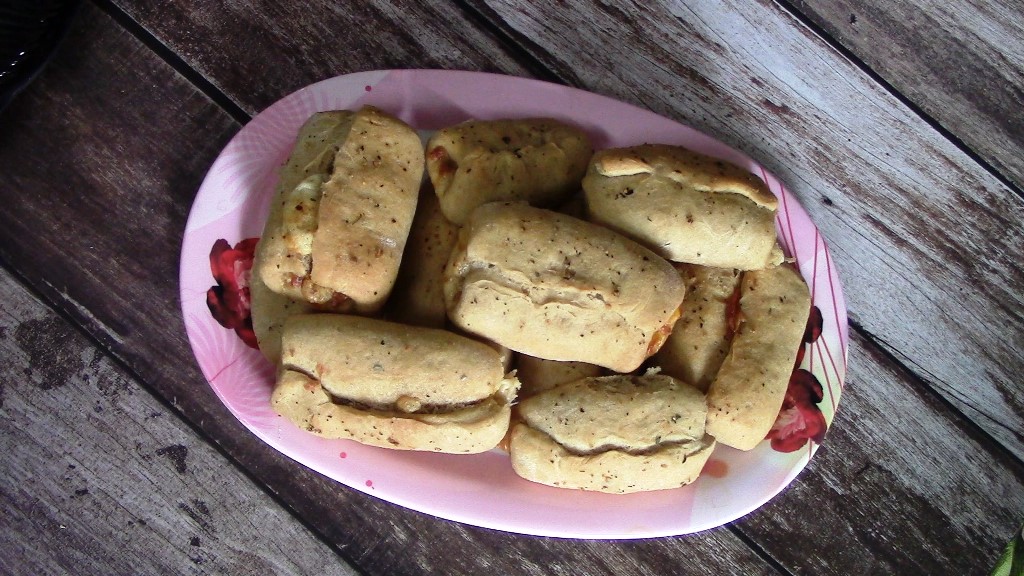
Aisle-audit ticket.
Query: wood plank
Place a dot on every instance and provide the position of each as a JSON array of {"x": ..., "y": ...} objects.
[
  {"x": 962, "y": 65},
  {"x": 100, "y": 477},
  {"x": 902, "y": 485},
  {"x": 96, "y": 226},
  {"x": 292, "y": 44},
  {"x": 926, "y": 241}
]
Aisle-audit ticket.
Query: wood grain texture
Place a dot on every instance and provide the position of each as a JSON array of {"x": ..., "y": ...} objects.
[
  {"x": 96, "y": 181},
  {"x": 99, "y": 477},
  {"x": 927, "y": 243},
  {"x": 96, "y": 229},
  {"x": 288, "y": 45},
  {"x": 901, "y": 485},
  {"x": 962, "y": 65}
]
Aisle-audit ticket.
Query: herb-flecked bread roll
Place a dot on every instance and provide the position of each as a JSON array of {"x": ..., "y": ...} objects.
[
  {"x": 392, "y": 385},
  {"x": 269, "y": 311},
  {"x": 700, "y": 338},
  {"x": 745, "y": 397},
  {"x": 418, "y": 298},
  {"x": 342, "y": 211},
  {"x": 613, "y": 434},
  {"x": 537, "y": 374},
  {"x": 685, "y": 206},
  {"x": 536, "y": 160},
  {"x": 559, "y": 288}
]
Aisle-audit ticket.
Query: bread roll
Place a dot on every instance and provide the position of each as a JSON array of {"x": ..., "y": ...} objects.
[
  {"x": 685, "y": 206},
  {"x": 391, "y": 385},
  {"x": 537, "y": 374},
  {"x": 418, "y": 298},
  {"x": 343, "y": 208},
  {"x": 540, "y": 161},
  {"x": 700, "y": 338},
  {"x": 613, "y": 434},
  {"x": 555, "y": 287},
  {"x": 745, "y": 397},
  {"x": 269, "y": 311}
]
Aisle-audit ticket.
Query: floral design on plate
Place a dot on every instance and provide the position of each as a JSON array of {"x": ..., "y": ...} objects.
[
  {"x": 800, "y": 420},
  {"x": 229, "y": 300}
]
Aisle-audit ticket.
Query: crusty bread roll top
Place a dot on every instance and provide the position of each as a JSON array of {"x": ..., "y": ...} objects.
[
  {"x": 537, "y": 374},
  {"x": 685, "y": 206},
  {"x": 418, "y": 298},
  {"x": 701, "y": 337},
  {"x": 392, "y": 385},
  {"x": 555, "y": 287},
  {"x": 745, "y": 397},
  {"x": 344, "y": 205},
  {"x": 613, "y": 434},
  {"x": 536, "y": 160}
]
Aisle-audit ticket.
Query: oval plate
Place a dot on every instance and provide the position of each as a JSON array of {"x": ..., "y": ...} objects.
[{"x": 482, "y": 490}]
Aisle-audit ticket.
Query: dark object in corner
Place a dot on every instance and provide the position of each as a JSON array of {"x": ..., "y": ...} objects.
[{"x": 30, "y": 31}]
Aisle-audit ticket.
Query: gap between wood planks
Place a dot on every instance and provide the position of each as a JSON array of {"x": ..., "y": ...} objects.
[
  {"x": 176, "y": 62},
  {"x": 921, "y": 383},
  {"x": 518, "y": 44},
  {"x": 800, "y": 17},
  {"x": 53, "y": 303}
]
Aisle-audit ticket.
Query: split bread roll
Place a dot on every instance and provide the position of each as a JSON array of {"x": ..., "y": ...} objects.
[
  {"x": 745, "y": 397},
  {"x": 559, "y": 288},
  {"x": 700, "y": 339},
  {"x": 391, "y": 385},
  {"x": 344, "y": 205},
  {"x": 613, "y": 434},
  {"x": 536, "y": 160},
  {"x": 685, "y": 206}
]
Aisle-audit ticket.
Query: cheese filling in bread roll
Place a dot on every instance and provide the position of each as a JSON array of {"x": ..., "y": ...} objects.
[
  {"x": 613, "y": 434},
  {"x": 391, "y": 385},
  {"x": 344, "y": 205},
  {"x": 745, "y": 397},
  {"x": 539, "y": 161},
  {"x": 700, "y": 338},
  {"x": 685, "y": 206},
  {"x": 555, "y": 287}
]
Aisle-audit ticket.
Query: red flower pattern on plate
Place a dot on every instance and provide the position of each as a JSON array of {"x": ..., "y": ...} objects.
[
  {"x": 800, "y": 419},
  {"x": 229, "y": 300}
]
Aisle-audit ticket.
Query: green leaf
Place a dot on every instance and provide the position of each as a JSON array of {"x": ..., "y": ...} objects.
[{"x": 1011, "y": 563}]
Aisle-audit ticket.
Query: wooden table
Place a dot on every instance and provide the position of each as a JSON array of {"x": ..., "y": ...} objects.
[{"x": 899, "y": 128}]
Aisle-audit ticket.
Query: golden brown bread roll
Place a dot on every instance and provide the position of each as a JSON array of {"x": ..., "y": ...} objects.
[
  {"x": 537, "y": 374},
  {"x": 745, "y": 397},
  {"x": 418, "y": 298},
  {"x": 536, "y": 160},
  {"x": 700, "y": 338},
  {"x": 555, "y": 287},
  {"x": 343, "y": 208},
  {"x": 685, "y": 206},
  {"x": 613, "y": 434},
  {"x": 269, "y": 311},
  {"x": 392, "y": 385}
]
